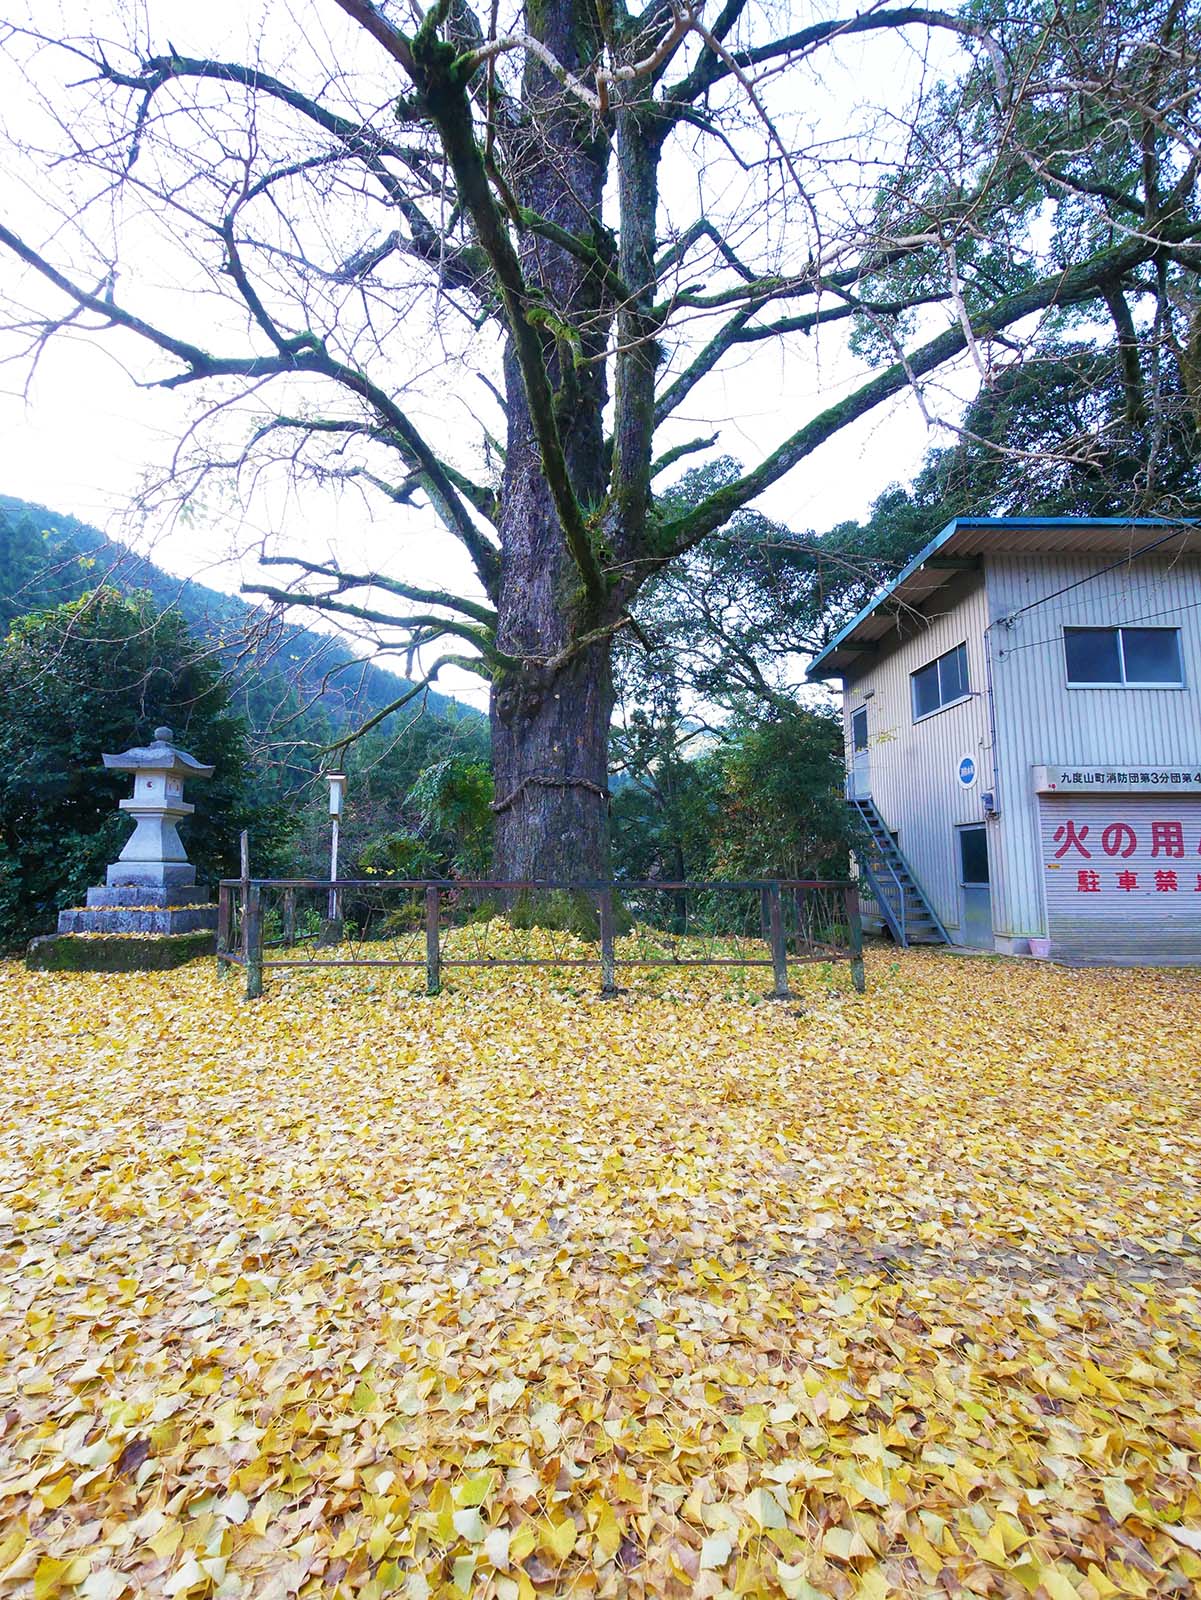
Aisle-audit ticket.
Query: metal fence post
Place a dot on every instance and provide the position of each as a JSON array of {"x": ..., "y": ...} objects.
[
  {"x": 253, "y": 924},
  {"x": 779, "y": 946},
  {"x": 607, "y": 942},
  {"x": 224, "y": 915},
  {"x": 855, "y": 941},
  {"x": 433, "y": 955}
]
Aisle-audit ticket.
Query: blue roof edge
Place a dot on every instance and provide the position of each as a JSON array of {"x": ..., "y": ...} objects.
[
  {"x": 949, "y": 532},
  {"x": 881, "y": 595}
]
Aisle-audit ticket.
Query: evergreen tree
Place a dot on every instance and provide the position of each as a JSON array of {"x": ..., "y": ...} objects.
[{"x": 95, "y": 676}]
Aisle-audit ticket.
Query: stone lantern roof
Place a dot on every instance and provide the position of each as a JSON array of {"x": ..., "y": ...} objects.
[{"x": 161, "y": 756}]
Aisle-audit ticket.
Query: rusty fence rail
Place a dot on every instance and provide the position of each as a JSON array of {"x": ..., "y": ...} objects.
[{"x": 269, "y": 924}]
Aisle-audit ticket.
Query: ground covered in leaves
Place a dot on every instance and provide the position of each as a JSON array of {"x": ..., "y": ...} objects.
[{"x": 517, "y": 1292}]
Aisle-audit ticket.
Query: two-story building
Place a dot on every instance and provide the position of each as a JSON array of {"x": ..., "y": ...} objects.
[{"x": 1022, "y": 708}]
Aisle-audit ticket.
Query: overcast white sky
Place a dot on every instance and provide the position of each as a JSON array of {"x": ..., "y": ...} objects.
[{"x": 84, "y": 436}]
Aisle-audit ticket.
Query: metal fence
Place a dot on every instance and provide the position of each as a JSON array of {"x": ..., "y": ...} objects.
[{"x": 273, "y": 924}]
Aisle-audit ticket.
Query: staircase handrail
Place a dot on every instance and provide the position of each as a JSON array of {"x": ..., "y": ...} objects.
[
  {"x": 864, "y": 804},
  {"x": 913, "y": 878},
  {"x": 894, "y": 918}
]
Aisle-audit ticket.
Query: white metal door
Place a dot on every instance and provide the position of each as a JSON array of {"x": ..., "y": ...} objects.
[
  {"x": 861, "y": 780},
  {"x": 975, "y": 927}
]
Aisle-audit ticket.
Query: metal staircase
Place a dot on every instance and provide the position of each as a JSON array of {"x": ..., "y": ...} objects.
[{"x": 909, "y": 916}]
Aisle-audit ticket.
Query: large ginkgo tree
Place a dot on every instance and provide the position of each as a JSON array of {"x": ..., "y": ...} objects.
[{"x": 615, "y": 206}]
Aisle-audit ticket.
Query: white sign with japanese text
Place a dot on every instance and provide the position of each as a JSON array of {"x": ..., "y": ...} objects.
[{"x": 1090, "y": 778}]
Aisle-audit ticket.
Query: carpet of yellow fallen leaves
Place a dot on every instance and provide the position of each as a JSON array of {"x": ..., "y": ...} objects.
[{"x": 517, "y": 1292}]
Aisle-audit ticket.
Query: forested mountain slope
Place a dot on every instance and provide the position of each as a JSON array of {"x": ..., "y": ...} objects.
[{"x": 290, "y": 681}]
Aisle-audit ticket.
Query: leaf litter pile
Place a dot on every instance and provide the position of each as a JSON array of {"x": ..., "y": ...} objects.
[{"x": 517, "y": 1292}]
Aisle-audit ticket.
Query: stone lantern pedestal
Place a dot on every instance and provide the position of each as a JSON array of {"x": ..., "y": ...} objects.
[{"x": 151, "y": 887}]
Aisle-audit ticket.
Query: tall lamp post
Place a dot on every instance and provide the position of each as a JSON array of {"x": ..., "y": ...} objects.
[{"x": 337, "y": 794}]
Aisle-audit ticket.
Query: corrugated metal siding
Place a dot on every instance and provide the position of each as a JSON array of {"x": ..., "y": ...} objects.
[
  {"x": 913, "y": 765},
  {"x": 1040, "y": 720},
  {"x": 1116, "y": 887}
]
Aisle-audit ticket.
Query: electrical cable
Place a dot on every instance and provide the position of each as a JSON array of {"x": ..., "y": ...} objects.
[
  {"x": 1126, "y": 622},
  {"x": 1185, "y": 529}
]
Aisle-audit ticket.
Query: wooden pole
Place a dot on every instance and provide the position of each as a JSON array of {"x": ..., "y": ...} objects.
[
  {"x": 254, "y": 943},
  {"x": 855, "y": 941},
  {"x": 608, "y": 945},
  {"x": 779, "y": 946},
  {"x": 289, "y": 918},
  {"x": 224, "y": 914},
  {"x": 433, "y": 955}
]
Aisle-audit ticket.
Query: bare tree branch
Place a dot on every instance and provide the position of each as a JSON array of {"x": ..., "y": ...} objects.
[
  {"x": 1064, "y": 289},
  {"x": 344, "y": 581}
]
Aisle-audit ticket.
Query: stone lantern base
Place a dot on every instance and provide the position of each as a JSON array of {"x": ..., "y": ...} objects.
[
  {"x": 116, "y": 952},
  {"x": 142, "y": 908}
]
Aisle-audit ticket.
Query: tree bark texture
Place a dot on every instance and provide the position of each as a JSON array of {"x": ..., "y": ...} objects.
[
  {"x": 550, "y": 748},
  {"x": 550, "y": 722}
]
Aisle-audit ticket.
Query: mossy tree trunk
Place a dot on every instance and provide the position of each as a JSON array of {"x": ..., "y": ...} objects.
[{"x": 550, "y": 712}]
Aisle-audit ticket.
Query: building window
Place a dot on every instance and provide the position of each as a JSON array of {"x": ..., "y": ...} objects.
[
  {"x": 1116, "y": 657},
  {"x": 859, "y": 729},
  {"x": 973, "y": 857},
  {"x": 940, "y": 683}
]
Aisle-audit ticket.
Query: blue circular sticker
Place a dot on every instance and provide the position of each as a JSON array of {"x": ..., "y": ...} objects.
[{"x": 967, "y": 771}]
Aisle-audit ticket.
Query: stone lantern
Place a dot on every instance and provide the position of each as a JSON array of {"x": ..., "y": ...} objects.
[{"x": 151, "y": 887}]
